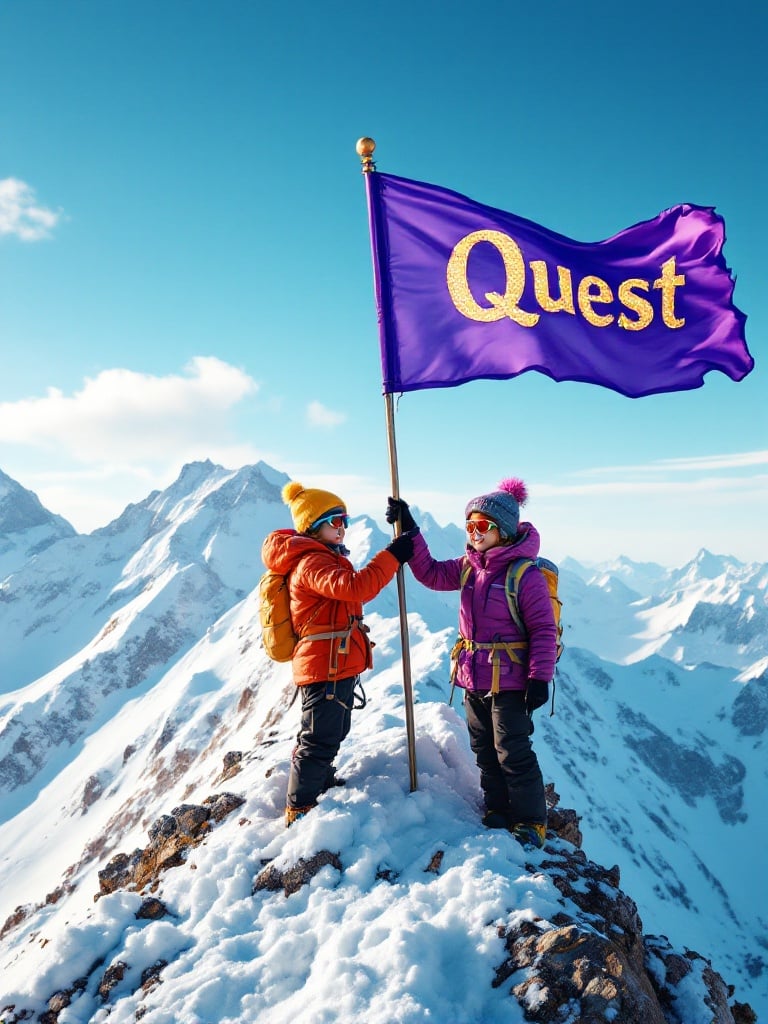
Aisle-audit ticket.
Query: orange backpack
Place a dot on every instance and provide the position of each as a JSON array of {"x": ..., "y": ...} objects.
[
  {"x": 515, "y": 572},
  {"x": 277, "y": 632}
]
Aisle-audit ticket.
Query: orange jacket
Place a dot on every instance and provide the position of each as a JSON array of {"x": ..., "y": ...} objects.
[{"x": 327, "y": 596}]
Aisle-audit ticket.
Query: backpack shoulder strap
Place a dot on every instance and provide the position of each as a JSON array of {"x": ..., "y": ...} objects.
[
  {"x": 515, "y": 572},
  {"x": 300, "y": 634},
  {"x": 466, "y": 571}
]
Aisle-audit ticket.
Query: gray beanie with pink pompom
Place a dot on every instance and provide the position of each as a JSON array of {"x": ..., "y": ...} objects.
[{"x": 502, "y": 505}]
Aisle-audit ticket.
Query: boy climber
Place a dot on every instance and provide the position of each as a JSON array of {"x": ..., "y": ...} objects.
[{"x": 327, "y": 595}]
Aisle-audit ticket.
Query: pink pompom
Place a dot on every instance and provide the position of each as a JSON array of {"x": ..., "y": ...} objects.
[{"x": 516, "y": 488}]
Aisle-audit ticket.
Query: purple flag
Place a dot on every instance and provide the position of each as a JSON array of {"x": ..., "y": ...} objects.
[{"x": 467, "y": 292}]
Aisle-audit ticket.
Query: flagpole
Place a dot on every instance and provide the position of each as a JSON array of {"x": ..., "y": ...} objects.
[{"x": 365, "y": 148}]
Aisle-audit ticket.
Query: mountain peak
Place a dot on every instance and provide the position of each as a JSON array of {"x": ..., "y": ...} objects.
[
  {"x": 196, "y": 470},
  {"x": 22, "y": 510},
  {"x": 709, "y": 566}
]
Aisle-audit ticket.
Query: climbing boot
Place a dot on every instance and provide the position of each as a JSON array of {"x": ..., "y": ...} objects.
[
  {"x": 530, "y": 834},
  {"x": 294, "y": 813}
]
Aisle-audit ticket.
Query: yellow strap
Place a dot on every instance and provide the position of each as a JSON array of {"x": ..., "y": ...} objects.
[
  {"x": 510, "y": 648},
  {"x": 495, "y": 671}
]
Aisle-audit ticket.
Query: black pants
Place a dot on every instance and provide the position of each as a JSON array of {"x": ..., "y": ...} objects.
[
  {"x": 326, "y": 715},
  {"x": 499, "y": 734}
]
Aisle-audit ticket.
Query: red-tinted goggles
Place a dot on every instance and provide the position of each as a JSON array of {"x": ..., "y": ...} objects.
[
  {"x": 481, "y": 526},
  {"x": 336, "y": 522}
]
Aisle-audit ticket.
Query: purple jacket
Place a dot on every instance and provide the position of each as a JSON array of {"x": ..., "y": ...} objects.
[{"x": 484, "y": 614}]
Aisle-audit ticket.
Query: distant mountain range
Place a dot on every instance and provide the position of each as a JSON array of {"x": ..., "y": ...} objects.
[{"x": 111, "y": 697}]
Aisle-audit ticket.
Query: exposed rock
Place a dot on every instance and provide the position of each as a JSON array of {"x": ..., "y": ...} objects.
[
  {"x": 191, "y": 819},
  {"x": 150, "y": 976},
  {"x": 117, "y": 873},
  {"x": 14, "y": 920},
  {"x": 92, "y": 790},
  {"x": 58, "y": 893},
  {"x": 222, "y": 804},
  {"x": 165, "y": 737},
  {"x": 246, "y": 699},
  {"x": 13, "y": 1016},
  {"x": 22, "y": 913},
  {"x": 291, "y": 880},
  {"x": 563, "y": 822},
  {"x": 434, "y": 865},
  {"x": 169, "y": 770},
  {"x": 592, "y": 963},
  {"x": 743, "y": 1014},
  {"x": 113, "y": 975},
  {"x": 61, "y": 1000},
  {"x": 668, "y": 968},
  {"x": 151, "y": 909},
  {"x": 734, "y": 624},
  {"x": 171, "y": 836},
  {"x": 232, "y": 764},
  {"x": 750, "y": 709}
]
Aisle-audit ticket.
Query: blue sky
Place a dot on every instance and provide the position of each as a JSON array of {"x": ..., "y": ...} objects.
[{"x": 185, "y": 266}]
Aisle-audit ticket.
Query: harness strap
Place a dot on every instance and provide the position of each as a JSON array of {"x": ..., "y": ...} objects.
[
  {"x": 326, "y": 636},
  {"x": 342, "y": 635},
  {"x": 356, "y": 622},
  {"x": 359, "y": 699},
  {"x": 509, "y": 647}
]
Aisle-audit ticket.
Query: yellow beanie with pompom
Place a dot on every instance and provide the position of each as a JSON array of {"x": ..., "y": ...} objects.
[{"x": 308, "y": 504}]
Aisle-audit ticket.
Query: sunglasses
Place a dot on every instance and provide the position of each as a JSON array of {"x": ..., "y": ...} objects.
[
  {"x": 336, "y": 522},
  {"x": 481, "y": 526}
]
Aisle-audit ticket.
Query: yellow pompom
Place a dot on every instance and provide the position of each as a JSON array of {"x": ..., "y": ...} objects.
[{"x": 291, "y": 491}]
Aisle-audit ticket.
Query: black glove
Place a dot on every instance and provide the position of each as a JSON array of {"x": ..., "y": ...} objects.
[
  {"x": 536, "y": 694},
  {"x": 402, "y": 548},
  {"x": 398, "y": 509}
]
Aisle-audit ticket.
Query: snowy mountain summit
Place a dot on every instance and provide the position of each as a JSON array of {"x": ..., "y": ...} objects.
[
  {"x": 25, "y": 526},
  {"x": 21, "y": 510},
  {"x": 144, "y": 747}
]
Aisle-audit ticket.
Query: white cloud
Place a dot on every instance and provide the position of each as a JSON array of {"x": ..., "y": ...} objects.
[
  {"x": 692, "y": 464},
  {"x": 124, "y": 416},
  {"x": 124, "y": 434},
  {"x": 319, "y": 416},
  {"x": 20, "y": 214},
  {"x": 721, "y": 488}
]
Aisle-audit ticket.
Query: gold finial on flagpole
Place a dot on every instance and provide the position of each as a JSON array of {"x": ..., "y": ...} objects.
[{"x": 365, "y": 148}]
